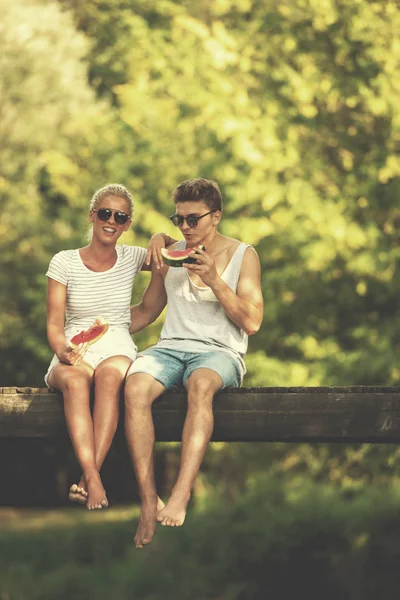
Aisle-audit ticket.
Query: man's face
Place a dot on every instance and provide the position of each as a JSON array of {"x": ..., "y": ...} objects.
[{"x": 204, "y": 226}]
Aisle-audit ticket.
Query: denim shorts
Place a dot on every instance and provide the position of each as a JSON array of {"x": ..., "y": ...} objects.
[{"x": 173, "y": 368}]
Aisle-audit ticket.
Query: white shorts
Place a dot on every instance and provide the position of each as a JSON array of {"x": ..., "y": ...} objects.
[{"x": 115, "y": 342}]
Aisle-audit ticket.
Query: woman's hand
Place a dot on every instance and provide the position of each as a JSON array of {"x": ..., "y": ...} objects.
[{"x": 72, "y": 356}]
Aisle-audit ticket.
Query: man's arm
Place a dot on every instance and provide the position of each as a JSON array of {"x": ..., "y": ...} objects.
[
  {"x": 157, "y": 241},
  {"x": 153, "y": 302},
  {"x": 245, "y": 307}
]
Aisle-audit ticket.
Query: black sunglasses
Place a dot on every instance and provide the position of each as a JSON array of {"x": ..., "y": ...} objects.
[
  {"x": 104, "y": 214},
  {"x": 191, "y": 220}
]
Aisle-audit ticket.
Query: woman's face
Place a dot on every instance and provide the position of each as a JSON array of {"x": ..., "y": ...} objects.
[{"x": 109, "y": 225}]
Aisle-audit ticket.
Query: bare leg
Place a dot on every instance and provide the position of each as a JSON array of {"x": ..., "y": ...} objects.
[
  {"x": 197, "y": 431},
  {"x": 74, "y": 383},
  {"x": 140, "y": 392},
  {"x": 108, "y": 378}
]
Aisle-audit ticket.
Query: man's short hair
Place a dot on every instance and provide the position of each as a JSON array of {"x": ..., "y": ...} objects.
[{"x": 197, "y": 190}]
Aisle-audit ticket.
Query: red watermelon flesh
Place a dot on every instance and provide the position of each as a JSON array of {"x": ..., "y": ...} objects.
[
  {"x": 91, "y": 335},
  {"x": 176, "y": 258},
  {"x": 178, "y": 254}
]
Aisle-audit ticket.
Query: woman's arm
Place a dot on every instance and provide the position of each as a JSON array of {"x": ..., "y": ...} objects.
[
  {"x": 153, "y": 302},
  {"x": 56, "y": 297}
]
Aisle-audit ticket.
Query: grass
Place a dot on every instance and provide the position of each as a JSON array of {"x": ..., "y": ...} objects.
[
  {"x": 328, "y": 543},
  {"x": 19, "y": 519}
]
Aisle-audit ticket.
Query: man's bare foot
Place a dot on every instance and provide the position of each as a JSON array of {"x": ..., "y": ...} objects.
[
  {"x": 174, "y": 513},
  {"x": 77, "y": 494},
  {"x": 147, "y": 522},
  {"x": 96, "y": 493}
]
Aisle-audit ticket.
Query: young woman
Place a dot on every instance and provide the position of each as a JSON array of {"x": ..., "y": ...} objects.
[{"x": 83, "y": 284}]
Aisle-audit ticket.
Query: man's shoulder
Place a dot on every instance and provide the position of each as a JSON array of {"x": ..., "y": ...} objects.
[
  {"x": 232, "y": 246},
  {"x": 230, "y": 243}
]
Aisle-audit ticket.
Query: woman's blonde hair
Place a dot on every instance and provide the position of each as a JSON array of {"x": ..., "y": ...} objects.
[{"x": 112, "y": 189}]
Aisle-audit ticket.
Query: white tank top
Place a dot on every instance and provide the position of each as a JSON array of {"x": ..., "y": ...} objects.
[{"x": 195, "y": 320}]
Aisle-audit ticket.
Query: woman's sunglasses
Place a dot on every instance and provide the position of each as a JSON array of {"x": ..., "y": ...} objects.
[
  {"x": 191, "y": 220},
  {"x": 104, "y": 214}
]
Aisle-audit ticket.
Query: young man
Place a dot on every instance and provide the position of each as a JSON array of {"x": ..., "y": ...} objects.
[{"x": 213, "y": 306}]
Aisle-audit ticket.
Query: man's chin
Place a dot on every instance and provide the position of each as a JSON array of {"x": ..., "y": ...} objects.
[{"x": 190, "y": 242}]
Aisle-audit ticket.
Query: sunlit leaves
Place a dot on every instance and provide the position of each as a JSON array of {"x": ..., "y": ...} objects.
[
  {"x": 293, "y": 113},
  {"x": 48, "y": 114},
  {"x": 292, "y": 107}
]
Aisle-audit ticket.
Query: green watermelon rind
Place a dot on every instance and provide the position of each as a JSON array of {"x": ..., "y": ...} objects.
[{"x": 178, "y": 262}]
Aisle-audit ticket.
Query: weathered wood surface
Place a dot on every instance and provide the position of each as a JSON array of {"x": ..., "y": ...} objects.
[{"x": 320, "y": 414}]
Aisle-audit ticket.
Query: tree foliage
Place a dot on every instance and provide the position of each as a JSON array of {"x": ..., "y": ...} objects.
[{"x": 292, "y": 107}]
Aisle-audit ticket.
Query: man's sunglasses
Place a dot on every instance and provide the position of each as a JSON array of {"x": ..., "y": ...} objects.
[
  {"x": 104, "y": 214},
  {"x": 191, "y": 220}
]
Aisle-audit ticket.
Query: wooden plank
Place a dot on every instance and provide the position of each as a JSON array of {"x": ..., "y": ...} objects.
[{"x": 320, "y": 414}]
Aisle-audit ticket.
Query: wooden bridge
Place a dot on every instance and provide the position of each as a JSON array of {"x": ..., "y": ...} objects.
[{"x": 352, "y": 414}]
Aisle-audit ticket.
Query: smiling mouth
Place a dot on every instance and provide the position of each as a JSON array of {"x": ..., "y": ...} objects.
[{"x": 109, "y": 230}]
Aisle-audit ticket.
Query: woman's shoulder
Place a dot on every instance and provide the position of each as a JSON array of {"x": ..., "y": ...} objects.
[
  {"x": 61, "y": 264},
  {"x": 136, "y": 253},
  {"x": 64, "y": 255}
]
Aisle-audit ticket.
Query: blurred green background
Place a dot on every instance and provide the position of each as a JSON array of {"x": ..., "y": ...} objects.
[{"x": 292, "y": 106}]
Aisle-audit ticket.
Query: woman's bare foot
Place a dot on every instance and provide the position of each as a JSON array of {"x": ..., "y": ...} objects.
[
  {"x": 96, "y": 493},
  {"x": 147, "y": 522},
  {"x": 77, "y": 493},
  {"x": 174, "y": 513}
]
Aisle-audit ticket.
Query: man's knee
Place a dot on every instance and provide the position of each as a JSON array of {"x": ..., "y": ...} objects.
[
  {"x": 203, "y": 383},
  {"x": 140, "y": 391}
]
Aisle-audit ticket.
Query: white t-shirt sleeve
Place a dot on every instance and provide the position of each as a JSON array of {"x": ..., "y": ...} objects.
[
  {"x": 58, "y": 268},
  {"x": 138, "y": 256}
]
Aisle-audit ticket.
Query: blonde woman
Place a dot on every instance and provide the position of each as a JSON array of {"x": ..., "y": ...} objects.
[{"x": 83, "y": 284}]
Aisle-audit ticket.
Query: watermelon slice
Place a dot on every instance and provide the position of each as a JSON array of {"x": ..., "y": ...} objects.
[
  {"x": 176, "y": 258},
  {"x": 91, "y": 335}
]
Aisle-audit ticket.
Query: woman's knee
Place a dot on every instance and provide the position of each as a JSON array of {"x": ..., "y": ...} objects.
[
  {"x": 109, "y": 378},
  {"x": 75, "y": 383}
]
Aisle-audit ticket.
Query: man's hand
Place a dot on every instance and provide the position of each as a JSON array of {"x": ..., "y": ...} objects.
[
  {"x": 72, "y": 356},
  {"x": 205, "y": 267},
  {"x": 157, "y": 241}
]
